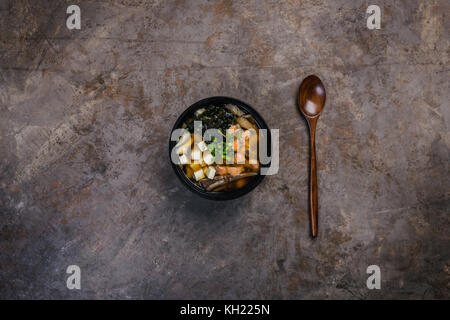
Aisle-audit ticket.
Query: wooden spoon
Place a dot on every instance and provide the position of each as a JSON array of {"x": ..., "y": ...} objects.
[{"x": 311, "y": 99}]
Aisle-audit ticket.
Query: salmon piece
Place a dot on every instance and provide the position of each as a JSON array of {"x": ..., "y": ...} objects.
[
  {"x": 240, "y": 148},
  {"x": 254, "y": 166},
  {"x": 233, "y": 128},
  {"x": 234, "y": 171},
  {"x": 239, "y": 157},
  {"x": 221, "y": 170},
  {"x": 235, "y": 144}
]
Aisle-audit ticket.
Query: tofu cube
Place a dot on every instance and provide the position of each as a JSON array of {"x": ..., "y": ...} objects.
[
  {"x": 202, "y": 146},
  {"x": 208, "y": 158},
  {"x": 199, "y": 175},
  {"x": 196, "y": 154},
  {"x": 184, "y": 159},
  {"x": 211, "y": 173}
]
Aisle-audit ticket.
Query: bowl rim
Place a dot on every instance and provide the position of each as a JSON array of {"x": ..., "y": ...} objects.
[{"x": 219, "y": 100}]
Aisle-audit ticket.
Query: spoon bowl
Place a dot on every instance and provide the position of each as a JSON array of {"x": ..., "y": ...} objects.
[{"x": 311, "y": 97}]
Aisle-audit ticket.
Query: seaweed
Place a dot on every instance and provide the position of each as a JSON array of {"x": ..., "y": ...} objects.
[{"x": 214, "y": 117}]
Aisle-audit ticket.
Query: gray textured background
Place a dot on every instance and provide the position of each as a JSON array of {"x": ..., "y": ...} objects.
[{"x": 84, "y": 173}]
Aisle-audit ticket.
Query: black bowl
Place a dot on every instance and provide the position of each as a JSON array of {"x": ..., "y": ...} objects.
[{"x": 224, "y": 195}]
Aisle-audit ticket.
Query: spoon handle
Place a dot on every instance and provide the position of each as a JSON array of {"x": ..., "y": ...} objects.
[{"x": 313, "y": 200}]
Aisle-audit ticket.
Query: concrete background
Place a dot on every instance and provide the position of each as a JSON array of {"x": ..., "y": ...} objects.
[{"x": 85, "y": 117}]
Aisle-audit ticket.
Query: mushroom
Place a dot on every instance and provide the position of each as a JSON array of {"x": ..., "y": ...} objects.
[
  {"x": 234, "y": 109},
  {"x": 244, "y": 123},
  {"x": 220, "y": 181}
]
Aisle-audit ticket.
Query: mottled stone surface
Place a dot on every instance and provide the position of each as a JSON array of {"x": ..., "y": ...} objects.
[{"x": 84, "y": 172}]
